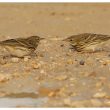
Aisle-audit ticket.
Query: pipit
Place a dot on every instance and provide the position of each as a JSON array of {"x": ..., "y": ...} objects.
[
  {"x": 87, "y": 42},
  {"x": 19, "y": 47}
]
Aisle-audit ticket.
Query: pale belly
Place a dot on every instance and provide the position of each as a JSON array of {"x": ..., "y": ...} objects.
[
  {"x": 95, "y": 47},
  {"x": 16, "y": 51},
  {"x": 92, "y": 48}
]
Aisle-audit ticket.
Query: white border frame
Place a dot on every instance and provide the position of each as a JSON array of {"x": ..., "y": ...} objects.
[{"x": 31, "y": 1}]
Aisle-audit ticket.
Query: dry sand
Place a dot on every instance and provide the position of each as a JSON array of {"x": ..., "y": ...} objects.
[{"x": 57, "y": 76}]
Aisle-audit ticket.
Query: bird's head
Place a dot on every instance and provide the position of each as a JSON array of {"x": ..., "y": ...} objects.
[
  {"x": 34, "y": 40},
  {"x": 69, "y": 39}
]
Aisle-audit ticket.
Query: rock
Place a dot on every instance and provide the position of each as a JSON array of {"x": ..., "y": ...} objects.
[
  {"x": 62, "y": 92},
  {"x": 26, "y": 58},
  {"x": 62, "y": 77},
  {"x": 28, "y": 69},
  {"x": 15, "y": 60},
  {"x": 2, "y": 94},
  {"x": 42, "y": 62},
  {"x": 99, "y": 84},
  {"x": 104, "y": 63},
  {"x": 70, "y": 61},
  {"x": 36, "y": 66},
  {"x": 3, "y": 61},
  {"x": 82, "y": 62},
  {"x": 107, "y": 103},
  {"x": 70, "y": 103},
  {"x": 67, "y": 102},
  {"x": 73, "y": 94},
  {"x": 53, "y": 13},
  {"x": 73, "y": 79},
  {"x": 100, "y": 95},
  {"x": 82, "y": 103},
  {"x": 103, "y": 79},
  {"x": 50, "y": 92},
  {"x": 67, "y": 19},
  {"x": 96, "y": 103},
  {"x": 89, "y": 74},
  {"x": 20, "y": 85},
  {"x": 36, "y": 78},
  {"x": 62, "y": 45},
  {"x": 41, "y": 55},
  {"x": 15, "y": 75},
  {"x": 42, "y": 71},
  {"x": 4, "y": 78}
]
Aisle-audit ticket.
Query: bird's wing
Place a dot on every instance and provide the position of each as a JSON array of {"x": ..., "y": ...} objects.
[
  {"x": 24, "y": 42},
  {"x": 103, "y": 37},
  {"x": 17, "y": 42},
  {"x": 80, "y": 37},
  {"x": 10, "y": 42}
]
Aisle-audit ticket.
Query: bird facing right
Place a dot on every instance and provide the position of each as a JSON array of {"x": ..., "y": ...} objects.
[
  {"x": 87, "y": 42},
  {"x": 19, "y": 47}
]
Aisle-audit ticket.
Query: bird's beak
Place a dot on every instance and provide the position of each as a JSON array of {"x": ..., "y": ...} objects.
[
  {"x": 42, "y": 38},
  {"x": 65, "y": 39}
]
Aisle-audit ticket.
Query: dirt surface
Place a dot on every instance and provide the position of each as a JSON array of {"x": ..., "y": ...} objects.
[{"x": 57, "y": 76}]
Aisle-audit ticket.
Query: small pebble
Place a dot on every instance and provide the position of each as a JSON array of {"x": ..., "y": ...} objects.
[
  {"x": 15, "y": 75},
  {"x": 26, "y": 59},
  {"x": 3, "y": 61},
  {"x": 70, "y": 103},
  {"x": 62, "y": 77},
  {"x": 42, "y": 71},
  {"x": 96, "y": 102},
  {"x": 37, "y": 78},
  {"x": 4, "y": 78},
  {"x": 67, "y": 102},
  {"x": 82, "y": 62},
  {"x": 89, "y": 74},
  {"x": 70, "y": 61},
  {"x": 99, "y": 84},
  {"x": 67, "y": 19},
  {"x": 2, "y": 94},
  {"x": 62, "y": 45},
  {"x": 50, "y": 92},
  {"x": 52, "y": 13},
  {"x": 20, "y": 85},
  {"x": 107, "y": 103},
  {"x": 100, "y": 95},
  {"x": 36, "y": 66},
  {"x": 15, "y": 60}
]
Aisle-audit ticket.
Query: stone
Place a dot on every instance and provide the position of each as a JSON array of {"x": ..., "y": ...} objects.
[
  {"x": 100, "y": 95},
  {"x": 96, "y": 102},
  {"x": 15, "y": 60},
  {"x": 82, "y": 62}
]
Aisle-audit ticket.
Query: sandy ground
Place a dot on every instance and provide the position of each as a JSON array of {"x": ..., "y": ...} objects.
[{"x": 57, "y": 76}]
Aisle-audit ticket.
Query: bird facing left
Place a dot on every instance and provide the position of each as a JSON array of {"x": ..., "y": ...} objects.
[{"x": 19, "y": 47}]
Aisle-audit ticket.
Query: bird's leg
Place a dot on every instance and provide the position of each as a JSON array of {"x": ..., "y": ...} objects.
[{"x": 73, "y": 48}]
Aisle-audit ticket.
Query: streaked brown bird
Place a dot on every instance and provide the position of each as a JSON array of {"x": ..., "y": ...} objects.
[
  {"x": 87, "y": 41},
  {"x": 20, "y": 47}
]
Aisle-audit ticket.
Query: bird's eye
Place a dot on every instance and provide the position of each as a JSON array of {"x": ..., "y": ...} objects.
[{"x": 70, "y": 39}]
